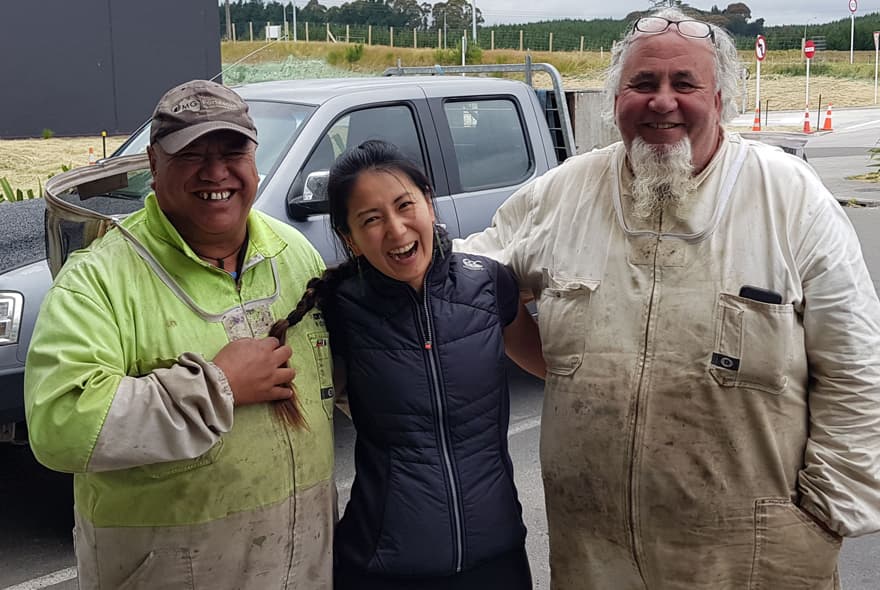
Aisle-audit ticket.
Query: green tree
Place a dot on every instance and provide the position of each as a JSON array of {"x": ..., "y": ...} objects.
[
  {"x": 457, "y": 14},
  {"x": 313, "y": 12}
]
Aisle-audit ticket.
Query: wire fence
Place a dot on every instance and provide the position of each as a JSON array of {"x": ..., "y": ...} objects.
[{"x": 543, "y": 38}]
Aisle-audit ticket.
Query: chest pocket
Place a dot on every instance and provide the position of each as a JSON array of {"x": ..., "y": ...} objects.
[
  {"x": 320, "y": 342},
  {"x": 753, "y": 344},
  {"x": 562, "y": 311}
]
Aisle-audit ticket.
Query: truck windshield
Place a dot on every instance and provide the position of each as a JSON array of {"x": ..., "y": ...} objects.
[{"x": 278, "y": 124}]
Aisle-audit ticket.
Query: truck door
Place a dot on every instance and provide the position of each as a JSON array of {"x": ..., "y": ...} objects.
[{"x": 492, "y": 154}]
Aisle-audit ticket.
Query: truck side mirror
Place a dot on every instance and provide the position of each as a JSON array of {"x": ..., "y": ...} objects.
[
  {"x": 313, "y": 200},
  {"x": 316, "y": 186}
]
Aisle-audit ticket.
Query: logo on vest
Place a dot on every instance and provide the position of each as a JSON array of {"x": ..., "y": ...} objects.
[{"x": 472, "y": 264}]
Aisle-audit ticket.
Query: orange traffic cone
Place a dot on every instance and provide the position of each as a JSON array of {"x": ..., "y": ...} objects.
[
  {"x": 827, "y": 125},
  {"x": 756, "y": 126},
  {"x": 807, "y": 121},
  {"x": 92, "y": 158}
]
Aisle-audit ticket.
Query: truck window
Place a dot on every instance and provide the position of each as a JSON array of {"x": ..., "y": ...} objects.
[
  {"x": 489, "y": 141},
  {"x": 392, "y": 123}
]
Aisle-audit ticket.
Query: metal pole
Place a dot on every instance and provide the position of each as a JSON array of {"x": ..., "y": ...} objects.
[
  {"x": 766, "y": 112},
  {"x": 808, "y": 83},
  {"x": 228, "y": 23},
  {"x": 474, "y": 21},
  {"x": 758, "y": 84},
  {"x": 852, "y": 32},
  {"x": 819, "y": 113},
  {"x": 293, "y": 18},
  {"x": 876, "y": 55}
]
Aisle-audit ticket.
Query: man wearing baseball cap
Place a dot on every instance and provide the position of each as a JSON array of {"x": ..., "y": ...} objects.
[{"x": 150, "y": 376}]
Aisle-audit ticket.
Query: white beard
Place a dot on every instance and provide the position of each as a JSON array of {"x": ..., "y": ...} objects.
[{"x": 664, "y": 177}]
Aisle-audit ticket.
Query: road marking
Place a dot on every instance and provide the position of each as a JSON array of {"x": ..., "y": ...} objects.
[
  {"x": 524, "y": 425},
  {"x": 860, "y": 125},
  {"x": 47, "y": 580}
]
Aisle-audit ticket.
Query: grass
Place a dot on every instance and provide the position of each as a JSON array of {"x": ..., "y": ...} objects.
[{"x": 375, "y": 58}]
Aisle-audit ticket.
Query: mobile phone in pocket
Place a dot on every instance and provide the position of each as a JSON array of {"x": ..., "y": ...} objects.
[{"x": 759, "y": 294}]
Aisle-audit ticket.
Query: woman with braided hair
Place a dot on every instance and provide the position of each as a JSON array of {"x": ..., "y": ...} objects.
[{"x": 421, "y": 333}]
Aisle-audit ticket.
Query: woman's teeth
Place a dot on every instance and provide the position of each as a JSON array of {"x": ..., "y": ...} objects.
[
  {"x": 403, "y": 251},
  {"x": 215, "y": 196}
]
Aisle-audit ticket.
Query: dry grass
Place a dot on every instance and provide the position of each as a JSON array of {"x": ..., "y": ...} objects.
[{"x": 27, "y": 162}]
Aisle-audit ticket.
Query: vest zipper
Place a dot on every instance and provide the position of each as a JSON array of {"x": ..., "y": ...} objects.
[{"x": 441, "y": 419}]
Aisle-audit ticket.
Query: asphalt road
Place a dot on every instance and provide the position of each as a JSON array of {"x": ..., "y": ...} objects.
[{"x": 35, "y": 504}]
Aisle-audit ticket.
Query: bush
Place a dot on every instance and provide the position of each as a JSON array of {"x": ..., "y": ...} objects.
[
  {"x": 354, "y": 52},
  {"x": 452, "y": 57},
  {"x": 334, "y": 57},
  {"x": 48, "y": 133}
]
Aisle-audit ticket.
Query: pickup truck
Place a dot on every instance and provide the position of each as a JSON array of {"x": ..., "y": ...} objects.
[{"x": 479, "y": 139}]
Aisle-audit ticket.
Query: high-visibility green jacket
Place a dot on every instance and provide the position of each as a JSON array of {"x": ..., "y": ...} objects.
[{"x": 173, "y": 486}]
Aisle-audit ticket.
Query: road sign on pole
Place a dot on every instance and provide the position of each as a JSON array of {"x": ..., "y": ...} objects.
[
  {"x": 809, "y": 49},
  {"x": 760, "y": 47},
  {"x": 853, "y": 6},
  {"x": 760, "y": 54},
  {"x": 809, "y": 52}
]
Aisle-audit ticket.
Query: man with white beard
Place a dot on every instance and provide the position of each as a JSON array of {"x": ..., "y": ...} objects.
[{"x": 712, "y": 406}]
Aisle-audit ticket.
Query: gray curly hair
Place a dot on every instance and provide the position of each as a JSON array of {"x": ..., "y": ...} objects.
[{"x": 727, "y": 66}]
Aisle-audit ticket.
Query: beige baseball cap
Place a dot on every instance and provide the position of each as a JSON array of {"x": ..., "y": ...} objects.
[{"x": 196, "y": 108}]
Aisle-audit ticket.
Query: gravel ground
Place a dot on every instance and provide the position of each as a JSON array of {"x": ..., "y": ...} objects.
[
  {"x": 289, "y": 69},
  {"x": 21, "y": 238}
]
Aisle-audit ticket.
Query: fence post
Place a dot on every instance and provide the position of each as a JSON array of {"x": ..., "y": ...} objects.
[
  {"x": 346, "y": 33},
  {"x": 369, "y": 34},
  {"x": 327, "y": 37},
  {"x": 582, "y": 43},
  {"x": 234, "y": 38},
  {"x": 307, "y": 32},
  {"x": 266, "y": 34},
  {"x": 492, "y": 39},
  {"x": 251, "y": 29},
  {"x": 551, "y": 41},
  {"x": 391, "y": 36},
  {"x": 439, "y": 38},
  {"x": 520, "y": 40},
  {"x": 415, "y": 39}
]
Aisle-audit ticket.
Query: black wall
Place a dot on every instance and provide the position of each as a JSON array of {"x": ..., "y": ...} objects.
[{"x": 85, "y": 66}]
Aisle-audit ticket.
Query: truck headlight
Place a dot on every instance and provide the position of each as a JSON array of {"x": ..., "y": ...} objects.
[{"x": 11, "y": 305}]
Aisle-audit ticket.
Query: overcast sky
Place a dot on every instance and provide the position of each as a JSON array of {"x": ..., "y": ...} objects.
[{"x": 774, "y": 12}]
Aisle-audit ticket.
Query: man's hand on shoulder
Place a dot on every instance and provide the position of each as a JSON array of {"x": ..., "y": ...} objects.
[{"x": 253, "y": 368}]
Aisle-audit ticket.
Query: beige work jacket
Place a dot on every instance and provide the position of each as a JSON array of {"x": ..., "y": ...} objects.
[{"x": 691, "y": 437}]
